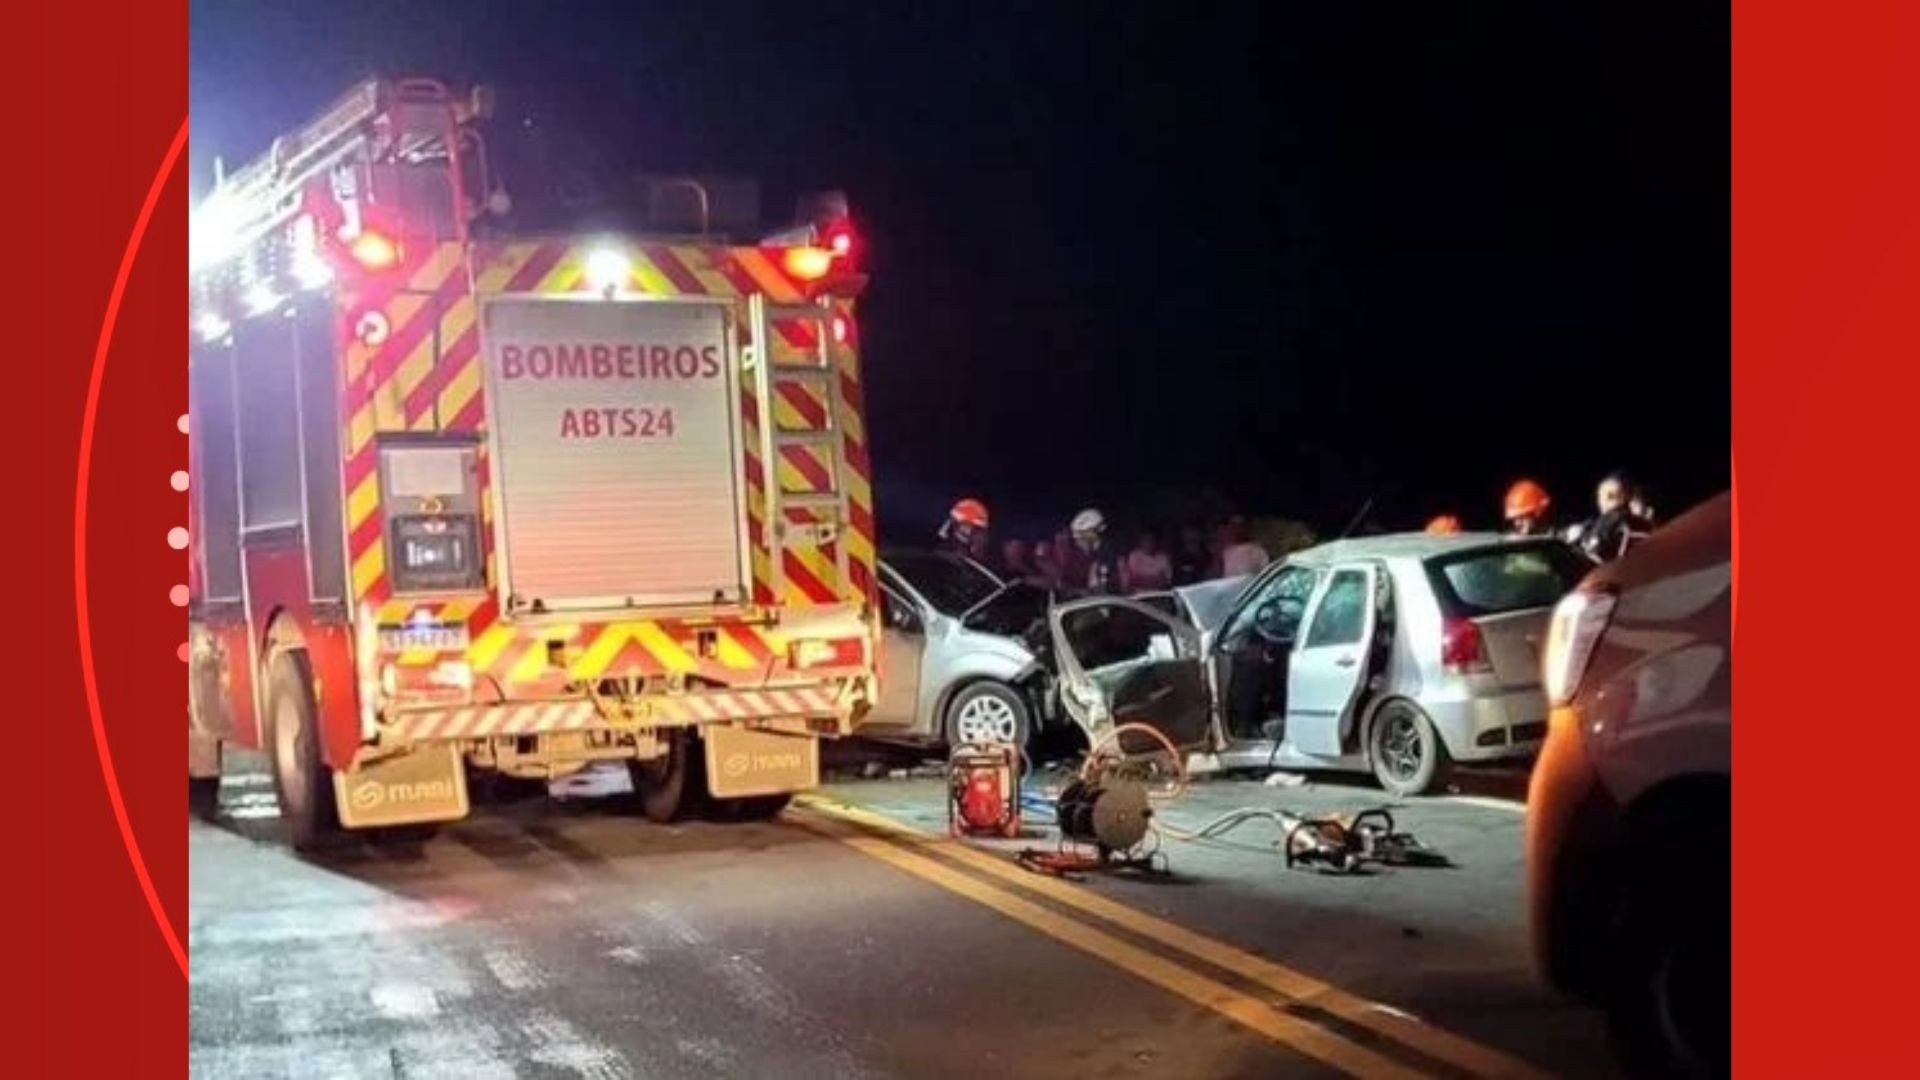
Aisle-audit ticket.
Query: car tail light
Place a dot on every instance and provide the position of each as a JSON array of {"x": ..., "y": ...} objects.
[
  {"x": 1577, "y": 623},
  {"x": 1462, "y": 649},
  {"x": 826, "y": 652}
]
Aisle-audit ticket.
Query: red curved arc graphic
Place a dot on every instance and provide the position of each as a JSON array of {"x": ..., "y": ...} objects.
[{"x": 80, "y": 488}]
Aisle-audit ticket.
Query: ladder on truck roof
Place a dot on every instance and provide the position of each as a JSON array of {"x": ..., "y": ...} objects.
[
  {"x": 811, "y": 367},
  {"x": 266, "y": 191}
]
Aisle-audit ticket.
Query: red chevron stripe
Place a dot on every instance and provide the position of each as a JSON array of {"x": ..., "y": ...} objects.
[
  {"x": 748, "y": 639},
  {"x": 862, "y": 578},
  {"x": 860, "y": 519},
  {"x": 809, "y": 469},
  {"x": 448, "y": 364},
  {"x": 803, "y": 334},
  {"x": 509, "y": 656},
  {"x": 538, "y": 265},
  {"x": 675, "y": 270},
  {"x": 813, "y": 411},
  {"x": 723, "y": 261},
  {"x": 364, "y": 534},
  {"x": 810, "y": 586},
  {"x": 385, "y": 364}
]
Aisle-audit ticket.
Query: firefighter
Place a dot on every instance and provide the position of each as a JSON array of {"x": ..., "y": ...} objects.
[
  {"x": 1526, "y": 509},
  {"x": 1606, "y": 535},
  {"x": 965, "y": 530},
  {"x": 1444, "y": 525},
  {"x": 1089, "y": 530}
]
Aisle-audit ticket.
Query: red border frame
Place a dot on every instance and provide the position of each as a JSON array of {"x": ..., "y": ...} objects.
[
  {"x": 1826, "y": 215},
  {"x": 98, "y": 100},
  {"x": 1826, "y": 268}
]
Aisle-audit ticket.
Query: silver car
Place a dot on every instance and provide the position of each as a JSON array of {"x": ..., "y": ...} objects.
[
  {"x": 961, "y": 655},
  {"x": 1394, "y": 654}
]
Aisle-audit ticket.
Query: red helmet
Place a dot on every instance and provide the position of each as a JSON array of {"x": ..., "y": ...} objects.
[
  {"x": 1444, "y": 525},
  {"x": 969, "y": 512},
  {"x": 1526, "y": 499}
]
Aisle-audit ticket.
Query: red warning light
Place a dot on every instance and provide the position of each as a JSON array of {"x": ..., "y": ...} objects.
[
  {"x": 808, "y": 263},
  {"x": 374, "y": 251},
  {"x": 840, "y": 238}
]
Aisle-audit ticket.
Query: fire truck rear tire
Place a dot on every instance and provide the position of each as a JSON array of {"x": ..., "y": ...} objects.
[
  {"x": 669, "y": 788},
  {"x": 203, "y": 797},
  {"x": 301, "y": 779}
]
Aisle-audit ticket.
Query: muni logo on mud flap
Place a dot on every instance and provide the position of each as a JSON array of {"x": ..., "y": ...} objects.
[
  {"x": 738, "y": 765},
  {"x": 371, "y": 794}
]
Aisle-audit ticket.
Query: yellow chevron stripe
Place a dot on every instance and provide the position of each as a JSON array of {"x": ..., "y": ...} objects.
[
  {"x": 358, "y": 357},
  {"x": 401, "y": 310},
  {"x": 417, "y": 657},
  {"x": 457, "y": 319},
  {"x": 771, "y": 281},
  {"x": 664, "y": 648},
  {"x": 700, "y": 263},
  {"x": 791, "y": 478},
  {"x": 439, "y": 267},
  {"x": 788, "y": 418},
  {"x": 650, "y": 278},
  {"x": 395, "y": 611},
  {"x": 565, "y": 275},
  {"x": 859, "y": 548},
  {"x": 369, "y": 566},
  {"x": 762, "y": 564},
  {"x": 732, "y": 654},
  {"x": 360, "y": 429},
  {"x": 414, "y": 369},
  {"x": 364, "y": 500},
  {"x": 598, "y": 655},
  {"x": 486, "y": 648},
  {"x": 512, "y": 257},
  {"x": 531, "y": 665}
]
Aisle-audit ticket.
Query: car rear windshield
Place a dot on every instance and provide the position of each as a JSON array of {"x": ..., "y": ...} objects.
[
  {"x": 1512, "y": 577},
  {"x": 950, "y": 584}
]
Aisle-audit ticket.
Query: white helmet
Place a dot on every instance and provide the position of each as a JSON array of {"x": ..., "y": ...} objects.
[{"x": 1088, "y": 522}]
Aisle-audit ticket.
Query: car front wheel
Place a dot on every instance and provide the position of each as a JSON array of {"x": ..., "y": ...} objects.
[{"x": 987, "y": 712}]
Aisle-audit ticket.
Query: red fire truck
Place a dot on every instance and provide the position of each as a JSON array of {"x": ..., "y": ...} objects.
[{"x": 468, "y": 496}]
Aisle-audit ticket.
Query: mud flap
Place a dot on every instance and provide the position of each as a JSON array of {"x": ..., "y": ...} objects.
[
  {"x": 742, "y": 762},
  {"x": 425, "y": 784}
]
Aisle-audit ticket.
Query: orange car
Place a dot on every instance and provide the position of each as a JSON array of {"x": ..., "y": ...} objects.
[{"x": 1629, "y": 817}]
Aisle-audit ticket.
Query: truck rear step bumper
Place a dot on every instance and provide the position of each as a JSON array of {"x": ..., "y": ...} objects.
[{"x": 542, "y": 717}]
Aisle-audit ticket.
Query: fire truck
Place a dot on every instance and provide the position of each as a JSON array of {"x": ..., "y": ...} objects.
[{"x": 467, "y": 496}]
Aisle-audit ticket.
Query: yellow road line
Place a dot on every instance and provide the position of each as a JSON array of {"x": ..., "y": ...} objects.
[
  {"x": 1299, "y": 1035},
  {"x": 1402, "y": 1028}
]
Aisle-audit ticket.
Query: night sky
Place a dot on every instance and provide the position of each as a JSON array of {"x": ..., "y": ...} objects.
[{"x": 1301, "y": 256}]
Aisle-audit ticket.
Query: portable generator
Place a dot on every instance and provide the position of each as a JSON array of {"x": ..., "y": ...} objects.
[{"x": 983, "y": 790}]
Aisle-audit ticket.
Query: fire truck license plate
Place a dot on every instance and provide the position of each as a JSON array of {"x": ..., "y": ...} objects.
[
  {"x": 437, "y": 637},
  {"x": 743, "y": 762}
]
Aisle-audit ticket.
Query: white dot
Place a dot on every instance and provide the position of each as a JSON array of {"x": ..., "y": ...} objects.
[
  {"x": 182, "y": 423},
  {"x": 176, "y": 538},
  {"x": 179, "y": 480},
  {"x": 181, "y": 652},
  {"x": 178, "y": 594}
]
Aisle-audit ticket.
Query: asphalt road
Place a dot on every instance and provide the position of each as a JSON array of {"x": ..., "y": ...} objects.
[{"x": 570, "y": 939}]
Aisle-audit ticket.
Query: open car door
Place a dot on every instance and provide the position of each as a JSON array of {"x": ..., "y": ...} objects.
[
  {"x": 1329, "y": 665},
  {"x": 1124, "y": 662}
]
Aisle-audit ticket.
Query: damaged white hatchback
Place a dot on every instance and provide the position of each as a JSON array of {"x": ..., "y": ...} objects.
[{"x": 1396, "y": 655}]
